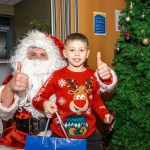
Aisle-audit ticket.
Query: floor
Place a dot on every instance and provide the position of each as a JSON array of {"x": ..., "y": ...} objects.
[{"x": 8, "y": 148}]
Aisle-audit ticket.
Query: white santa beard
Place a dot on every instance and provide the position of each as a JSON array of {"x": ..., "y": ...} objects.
[{"x": 38, "y": 72}]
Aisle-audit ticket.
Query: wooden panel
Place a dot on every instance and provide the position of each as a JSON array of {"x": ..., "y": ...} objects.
[{"x": 103, "y": 43}]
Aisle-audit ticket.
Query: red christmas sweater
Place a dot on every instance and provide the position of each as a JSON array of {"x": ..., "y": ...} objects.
[{"x": 77, "y": 96}]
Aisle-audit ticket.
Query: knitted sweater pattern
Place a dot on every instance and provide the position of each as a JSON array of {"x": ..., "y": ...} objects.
[{"x": 77, "y": 96}]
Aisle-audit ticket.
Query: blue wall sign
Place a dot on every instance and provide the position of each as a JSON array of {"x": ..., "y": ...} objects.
[{"x": 99, "y": 23}]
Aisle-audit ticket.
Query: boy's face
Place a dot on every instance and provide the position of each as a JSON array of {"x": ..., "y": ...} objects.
[{"x": 76, "y": 53}]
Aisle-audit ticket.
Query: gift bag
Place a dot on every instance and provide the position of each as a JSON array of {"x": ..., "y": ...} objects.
[{"x": 54, "y": 143}]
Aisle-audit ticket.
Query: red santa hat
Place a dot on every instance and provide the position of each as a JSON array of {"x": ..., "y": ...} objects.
[
  {"x": 57, "y": 42},
  {"x": 42, "y": 40}
]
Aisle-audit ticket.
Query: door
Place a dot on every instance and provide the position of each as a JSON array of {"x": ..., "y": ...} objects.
[{"x": 3, "y": 47}]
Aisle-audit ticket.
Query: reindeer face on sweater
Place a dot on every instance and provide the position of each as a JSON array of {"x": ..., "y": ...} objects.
[{"x": 80, "y": 98}]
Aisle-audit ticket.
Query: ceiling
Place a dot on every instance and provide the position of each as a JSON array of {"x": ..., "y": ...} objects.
[{"x": 9, "y": 2}]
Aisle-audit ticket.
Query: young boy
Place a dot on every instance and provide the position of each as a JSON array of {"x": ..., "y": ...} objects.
[{"x": 77, "y": 95}]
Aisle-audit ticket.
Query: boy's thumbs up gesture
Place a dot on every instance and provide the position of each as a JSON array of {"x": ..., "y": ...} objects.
[
  {"x": 103, "y": 69},
  {"x": 19, "y": 82}
]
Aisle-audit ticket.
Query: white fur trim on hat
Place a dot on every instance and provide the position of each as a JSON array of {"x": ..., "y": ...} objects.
[{"x": 37, "y": 39}]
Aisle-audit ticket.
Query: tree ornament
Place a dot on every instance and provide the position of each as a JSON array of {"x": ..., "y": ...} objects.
[
  {"x": 131, "y": 5},
  {"x": 143, "y": 17},
  {"x": 131, "y": 11},
  {"x": 117, "y": 49},
  {"x": 145, "y": 41},
  {"x": 126, "y": 34},
  {"x": 127, "y": 58},
  {"x": 128, "y": 19},
  {"x": 127, "y": 38},
  {"x": 143, "y": 1},
  {"x": 131, "y": 8}
]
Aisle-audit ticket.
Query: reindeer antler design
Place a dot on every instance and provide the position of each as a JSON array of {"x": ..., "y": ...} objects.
[
  {"x": 72, "y": 84},
  {"x": 88, "y": 83}
]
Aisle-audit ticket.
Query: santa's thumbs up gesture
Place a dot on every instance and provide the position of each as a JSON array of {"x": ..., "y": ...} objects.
[
  {"x": 19, "y": 82},
  {"x": 103, "y": 69}
]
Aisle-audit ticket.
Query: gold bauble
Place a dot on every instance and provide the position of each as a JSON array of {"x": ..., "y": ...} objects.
[{"x": 146, "y": 41}]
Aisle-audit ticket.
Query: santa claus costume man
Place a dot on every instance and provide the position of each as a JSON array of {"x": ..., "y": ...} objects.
[{"x": 36, "y": 57}]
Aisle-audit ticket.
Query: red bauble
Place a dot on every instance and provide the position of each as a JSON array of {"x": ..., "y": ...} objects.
[
  {"x": 143, "y": 1},
  {"x": 126, "y": 33}
]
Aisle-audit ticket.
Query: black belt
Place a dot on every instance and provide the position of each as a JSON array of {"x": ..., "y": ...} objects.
[{"x": 31, "y": 125}]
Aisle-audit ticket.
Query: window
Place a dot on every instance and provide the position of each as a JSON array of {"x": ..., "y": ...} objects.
[{"x": 5, "y": 37}]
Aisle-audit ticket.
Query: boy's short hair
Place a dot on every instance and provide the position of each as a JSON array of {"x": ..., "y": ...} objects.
[{"x": 77, "y": 36}]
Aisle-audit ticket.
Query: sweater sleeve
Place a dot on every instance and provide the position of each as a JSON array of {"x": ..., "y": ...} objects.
[
  {"x": 107, "y": 85},
  {"x": 44, "y": 93},
  {"x": 98, "y": 105}
]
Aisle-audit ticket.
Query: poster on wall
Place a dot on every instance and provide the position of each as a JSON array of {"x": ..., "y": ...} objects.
[
  {"x": 99, "y": 23},
  {"x": 117, "y": 15}
]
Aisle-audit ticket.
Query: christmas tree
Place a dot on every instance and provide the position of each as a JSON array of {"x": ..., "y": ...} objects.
[{"x": 131, "y": 99}]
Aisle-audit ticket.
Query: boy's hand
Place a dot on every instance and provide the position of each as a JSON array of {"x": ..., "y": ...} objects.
[
  {"x": 20, "y": 81},
  {"x": 49, "y": 108},
  {"x": 109, "y": 120},
  {"x": 103, "y": 69}
]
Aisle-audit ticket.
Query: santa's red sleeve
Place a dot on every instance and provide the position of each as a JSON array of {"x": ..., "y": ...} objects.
[{"x": 7, "y": 113}]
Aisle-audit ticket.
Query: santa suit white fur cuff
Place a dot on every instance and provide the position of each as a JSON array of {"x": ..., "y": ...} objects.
[
  {"x": 7, "y": 113},
  {"x": 105, "y": 87}
]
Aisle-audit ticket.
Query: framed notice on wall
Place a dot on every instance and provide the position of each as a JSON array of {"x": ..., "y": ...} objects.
[
  {"x": 117, "y": 15},
  {"x": 99, "y": 23}
]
